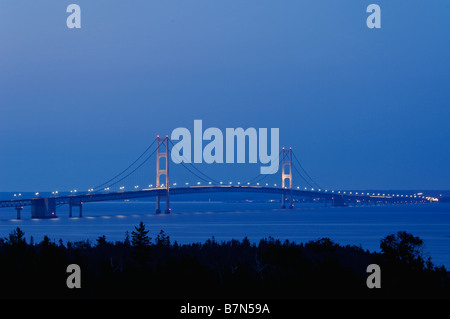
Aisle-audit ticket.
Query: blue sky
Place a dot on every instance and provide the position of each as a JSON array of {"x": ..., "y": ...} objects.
[{"x": 362, "y": 108}]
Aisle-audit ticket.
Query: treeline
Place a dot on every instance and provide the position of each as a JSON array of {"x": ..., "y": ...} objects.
[{"x": 143, "y": 267}]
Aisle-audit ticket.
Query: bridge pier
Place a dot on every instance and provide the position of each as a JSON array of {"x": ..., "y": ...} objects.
[
  {"x": 283, "y": 201},
  {"x": 338, "y": 201},
  {"x": 18, "y": 210},
  {"x": 291, "y": 204},
  {"x": 167, "y": 203},
  {"x": 80, "y": 205},
  {"x": 43, "y": 208},
  {"x": 158, "y": 204}
]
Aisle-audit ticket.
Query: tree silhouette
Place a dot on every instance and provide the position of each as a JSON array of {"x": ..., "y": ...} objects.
[
  {"x": 233, "y": 268},
  {"x": 162, "y": 239},
  {"x": 139, "y": 238},
  {"x": 17, "y": 237},
  {"x": 140, "y": 242},
  {"x": 405, "y": 269},
  {"x": 404, "y": 248}
]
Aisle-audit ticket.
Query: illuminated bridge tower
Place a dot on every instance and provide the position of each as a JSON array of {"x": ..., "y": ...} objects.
[
  {"x": 162, "y": 151},
  {"x": 286, "y": 161}
]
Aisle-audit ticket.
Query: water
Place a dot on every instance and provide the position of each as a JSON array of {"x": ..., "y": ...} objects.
[{"x": 198, "y": 221}]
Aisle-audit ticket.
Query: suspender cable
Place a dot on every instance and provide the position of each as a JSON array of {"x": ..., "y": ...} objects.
[{"x": 122, "y": 172}]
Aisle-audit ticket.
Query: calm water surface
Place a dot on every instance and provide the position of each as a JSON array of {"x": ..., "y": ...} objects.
[{"x": 198, "y": 221}]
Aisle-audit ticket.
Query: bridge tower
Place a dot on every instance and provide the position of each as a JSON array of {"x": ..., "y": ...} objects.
[
  {"x": 286, "y": 161},
  {"x": 162, "y": 151}
]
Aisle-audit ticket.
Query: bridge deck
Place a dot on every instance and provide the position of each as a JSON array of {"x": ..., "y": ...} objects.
[{"x": 152, "y": 192}]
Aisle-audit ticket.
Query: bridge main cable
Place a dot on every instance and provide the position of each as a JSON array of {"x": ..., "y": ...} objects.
[
  {"x": 258, "y": 178},
  {"x": 126, "y": 169},
  {"x": 209, "y": 179},
  {"x": 306, "y": 173}
]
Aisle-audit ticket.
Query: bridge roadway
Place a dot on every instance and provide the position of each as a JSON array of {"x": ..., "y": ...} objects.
[
  {"x": 153, "y": 192},
  {"x": 46, "y": 207}
]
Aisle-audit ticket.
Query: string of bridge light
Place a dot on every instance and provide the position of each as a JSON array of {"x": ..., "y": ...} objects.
[
  {"x": 193, "y": 184},
  {"x": 199, "y": 183}
]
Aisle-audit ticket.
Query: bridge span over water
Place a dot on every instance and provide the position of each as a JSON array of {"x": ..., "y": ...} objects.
[{"x": 45, "y": 207}]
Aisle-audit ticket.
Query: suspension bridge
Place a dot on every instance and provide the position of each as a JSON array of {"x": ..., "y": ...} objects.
[{"x": 162, "y": 190}]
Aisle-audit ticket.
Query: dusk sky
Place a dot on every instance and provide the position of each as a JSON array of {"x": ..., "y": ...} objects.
[{"x": 362, "y": 108}]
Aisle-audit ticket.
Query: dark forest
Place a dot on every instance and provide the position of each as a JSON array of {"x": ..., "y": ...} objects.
[{"x": 144, "y": 267}]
